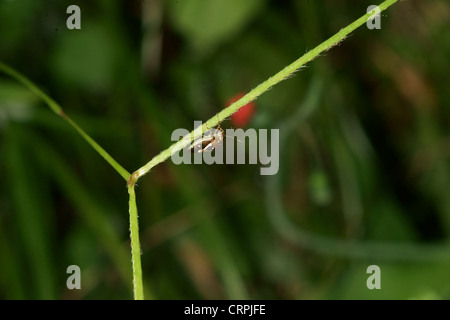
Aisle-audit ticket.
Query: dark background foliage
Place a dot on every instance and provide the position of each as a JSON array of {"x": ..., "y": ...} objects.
[{"x": 367, "y": 168}]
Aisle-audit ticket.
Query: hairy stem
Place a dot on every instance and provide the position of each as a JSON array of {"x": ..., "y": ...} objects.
[
  {"x": 256, "y": 92},
  {"x": 138, "y": 287}
]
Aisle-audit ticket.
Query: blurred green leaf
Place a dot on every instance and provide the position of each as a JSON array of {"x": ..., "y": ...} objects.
[
  {"x": 11, "y": 280},
  {"x": 16, "y": 17},
  {"x": 387, "y": 222},
  {"x": 319, "y": 187},
  {"x": 206, "y": 24},
  {"x": 28, "y": 194},
  {"x": 16, "y": 102},
  {"x": 86, "y": 58}
]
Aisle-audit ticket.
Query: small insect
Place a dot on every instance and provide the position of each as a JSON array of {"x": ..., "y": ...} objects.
[{"x": 210, "y": 140}]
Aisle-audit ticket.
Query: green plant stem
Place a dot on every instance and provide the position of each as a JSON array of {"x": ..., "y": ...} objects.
[
  {"x": 196, "y": 133},
  {"x": 138, "y": 287},
  {"x": 256, "y": 92},
  {"x": 56, "y": 108}
]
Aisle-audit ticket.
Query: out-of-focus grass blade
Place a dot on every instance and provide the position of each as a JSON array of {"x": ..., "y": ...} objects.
[
  {"x": 11, "y": 281},
  {"x": 29, "y": 208}
]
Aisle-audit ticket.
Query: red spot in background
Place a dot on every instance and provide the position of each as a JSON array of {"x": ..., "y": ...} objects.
[{"x": 243, "y": 116}]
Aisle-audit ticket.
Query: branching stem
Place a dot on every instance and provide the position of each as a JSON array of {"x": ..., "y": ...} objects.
[{"x": 196, "y": 133}]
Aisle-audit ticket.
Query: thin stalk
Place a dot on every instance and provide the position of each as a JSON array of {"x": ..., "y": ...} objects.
[
  {"x": 138, "y": 287},
  {"x": 56, "y": 108},
  {"x": 256, "y": 92}
]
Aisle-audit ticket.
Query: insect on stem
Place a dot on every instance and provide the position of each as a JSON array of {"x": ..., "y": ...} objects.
[{"x": 209, "y": 141}]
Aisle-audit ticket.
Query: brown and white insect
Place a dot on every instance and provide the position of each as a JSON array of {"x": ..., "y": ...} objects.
[{"x": 209, "y": 141}]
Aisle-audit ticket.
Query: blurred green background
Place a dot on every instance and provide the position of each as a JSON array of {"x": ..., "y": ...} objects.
[{"x": 364, "y": 158}]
